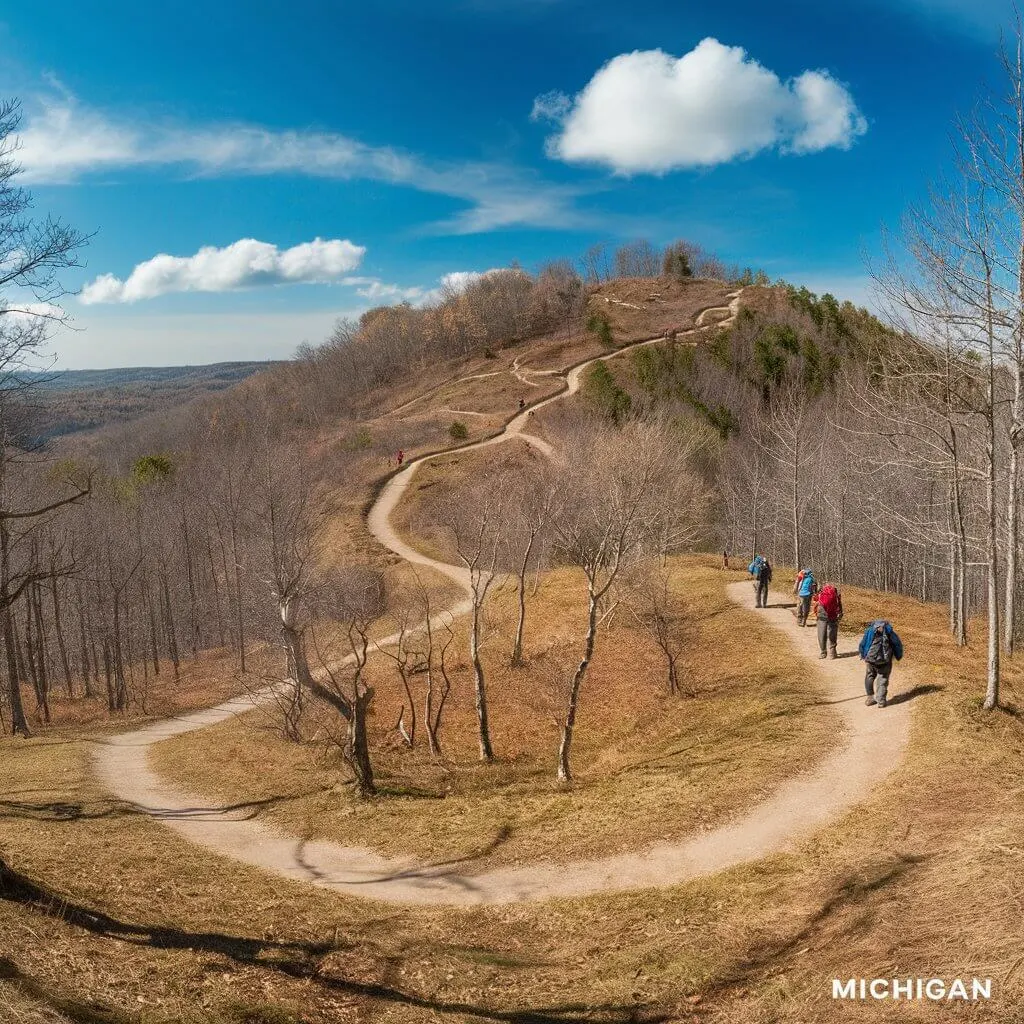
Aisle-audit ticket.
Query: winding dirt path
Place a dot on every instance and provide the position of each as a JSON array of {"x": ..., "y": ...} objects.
[{"x": 873, "y": 744}]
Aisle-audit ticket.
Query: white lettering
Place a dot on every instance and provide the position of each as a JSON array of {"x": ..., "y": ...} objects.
[
  {"x": 958, "y": 990},
  {"x": 879, "y": 993},
  {"x": 844, "y": 991},
  {"x": 981, "y": 988},
  {"x": 903, "y": 989},
  {"x": 935, "y": 988}
]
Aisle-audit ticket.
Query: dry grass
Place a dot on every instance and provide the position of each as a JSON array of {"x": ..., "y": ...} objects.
[
  {"x": 925, "y": 877},
  {"x": 211, "y": 678},
  {"x": 649, "y": 766}
]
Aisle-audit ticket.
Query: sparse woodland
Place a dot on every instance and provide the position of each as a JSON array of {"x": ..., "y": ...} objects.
[
  {"x": 231, "y": 531},
  {"x": 883, "y": 455}
]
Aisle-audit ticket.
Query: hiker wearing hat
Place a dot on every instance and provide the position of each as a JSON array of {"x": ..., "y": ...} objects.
[{"x": 805, "y": 588}]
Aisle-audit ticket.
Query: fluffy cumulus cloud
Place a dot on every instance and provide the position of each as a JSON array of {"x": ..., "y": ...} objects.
[
  {"x": 247, "y": 263},
  {"x": 651, "y": 112}
]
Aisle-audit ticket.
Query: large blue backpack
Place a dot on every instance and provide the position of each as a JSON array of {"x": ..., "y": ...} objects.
[
  {"x": 755, "y": 566},
  {"x": 880, "y": 649},
  {"x": 807, "y": 584}
]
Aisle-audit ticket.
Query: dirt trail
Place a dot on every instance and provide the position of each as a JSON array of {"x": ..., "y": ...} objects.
[{"x": 874, "y": 743}]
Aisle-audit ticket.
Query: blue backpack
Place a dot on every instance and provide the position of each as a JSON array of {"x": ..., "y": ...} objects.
[
  {"x": 755, "y": 566},
  {"x": 807, "y": 584}
]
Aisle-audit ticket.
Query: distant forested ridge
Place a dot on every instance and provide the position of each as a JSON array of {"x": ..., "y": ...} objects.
[{"x": 71, "y": 401}]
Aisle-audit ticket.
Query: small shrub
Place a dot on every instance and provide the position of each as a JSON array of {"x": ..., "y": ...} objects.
[
  {"x": 489, "y": 353},
  {"x": 600, "y": 325},
  {"x": 604, "y": 395},
  {"x": 678, "y": 261},
  {"x": 152, "y": 469},
  {"x": 458, "y": 431},
  {"x": 359, "y": 441}
]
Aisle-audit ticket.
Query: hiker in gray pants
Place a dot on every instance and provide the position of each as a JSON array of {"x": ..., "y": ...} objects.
[
  {"x": 829, "y": 603},
  {"x": 879, "y": 645}
]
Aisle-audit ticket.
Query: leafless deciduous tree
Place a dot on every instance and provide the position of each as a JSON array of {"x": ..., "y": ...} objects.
[
  {"x": 623, "y": 493},
  {"x": 33, "y": 254}
]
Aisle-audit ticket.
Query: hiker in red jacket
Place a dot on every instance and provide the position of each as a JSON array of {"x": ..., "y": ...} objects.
[
  {"x": 830, "y": 611},
  {"x": 400, "y": 456}
]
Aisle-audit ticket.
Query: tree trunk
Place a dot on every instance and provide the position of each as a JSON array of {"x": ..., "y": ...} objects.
[
  {"x": 1012, "y": 507},
  {"x": 480, "y": 686},
  {"x": 240, "y": 619},
  {"x": 517, "y": 647},
  {"x": 565, "y": 743},
  {"x": 991, "y": 530},
  {"x": 357, "y": 751},
  {"x": 19, "y": 724},
  {"x": 796, "y": 508}
]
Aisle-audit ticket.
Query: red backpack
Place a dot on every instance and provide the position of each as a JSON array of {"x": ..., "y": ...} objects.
[{"x": 828, "y": 599}]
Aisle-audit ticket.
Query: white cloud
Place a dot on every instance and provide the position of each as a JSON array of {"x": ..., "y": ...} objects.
[
  {"x": 378, "y": 291},
  {"x": 246, "y": 263},
  {"x": 648, "y": 111},
  {"x": 459, "y": 280},
  {"x": 64, "y": 141}
]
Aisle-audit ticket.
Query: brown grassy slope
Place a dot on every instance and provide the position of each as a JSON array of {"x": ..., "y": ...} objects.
[
  {"x": 649, "y": 766},
  {"x": 923, "y": 878},
  {"x": 208, "y": 680}
]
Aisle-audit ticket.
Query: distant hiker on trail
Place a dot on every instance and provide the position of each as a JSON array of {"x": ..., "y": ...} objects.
[
  {"x": 725, "y": 559},
  {"x": 400, "y": 457},
  {"x": 878, "y": 646},
  {"x": 522, "y": 403},
  {"x": 805, "y": 589},
  {"x": 762, "y": 580},
  {"x": 829, "y": 604}
]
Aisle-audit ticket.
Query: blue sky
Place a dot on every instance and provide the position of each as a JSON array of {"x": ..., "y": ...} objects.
[{"x": 305, "y": 160}]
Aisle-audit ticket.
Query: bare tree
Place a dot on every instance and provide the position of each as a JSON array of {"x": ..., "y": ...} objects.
[
  {"x": 531, "y": 506},
  {"x": 619, "y": 490},
  {"x": 660, "y": 614},
  {"x": 477, "y": 518},
  {"x": 637, "y": 259}
]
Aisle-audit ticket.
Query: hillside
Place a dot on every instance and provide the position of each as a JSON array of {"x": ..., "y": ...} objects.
[
  {"x": 733, "y": 822},
  {"x": 71, "y": 401}
]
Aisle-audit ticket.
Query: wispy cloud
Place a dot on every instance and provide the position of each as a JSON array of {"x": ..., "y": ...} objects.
[
  {"x": 247, "y": 263},
  {"x": 64, "y": 141},
  {"x": 981, "y": 19}
]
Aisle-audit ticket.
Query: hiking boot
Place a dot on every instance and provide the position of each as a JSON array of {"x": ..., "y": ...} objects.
[
  {"x": 881, "y": 703},
  {"x": 870, "y": 701},
  {"x": 822, "y": 656},
  {"x": 832, "y": 652}
]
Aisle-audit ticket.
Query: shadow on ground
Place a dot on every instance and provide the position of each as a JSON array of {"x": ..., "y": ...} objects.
[
  {"x": 302, "y": 961},
  {"x": 914, "y": 692}
]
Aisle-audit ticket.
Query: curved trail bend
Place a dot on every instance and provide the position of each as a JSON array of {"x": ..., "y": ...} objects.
[{"x": 873, "y": 745}]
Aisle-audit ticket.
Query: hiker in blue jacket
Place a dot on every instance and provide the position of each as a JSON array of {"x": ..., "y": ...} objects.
[
  {"x": 878, "y": 646},
  {"x": 805, "y": 589}
]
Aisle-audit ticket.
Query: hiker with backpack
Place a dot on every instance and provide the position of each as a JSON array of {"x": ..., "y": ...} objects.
[
  {"x": 762, "y": 580},
  {"x": 879, "y": 645},
  {"x": 805, "y": 589},
  {"x": 829, "y": 603}
]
